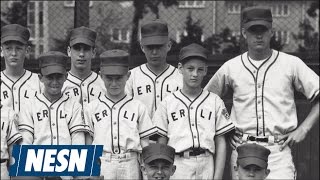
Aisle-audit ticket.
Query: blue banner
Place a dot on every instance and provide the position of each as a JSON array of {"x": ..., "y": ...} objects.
[{"x": 56, "y": 160}]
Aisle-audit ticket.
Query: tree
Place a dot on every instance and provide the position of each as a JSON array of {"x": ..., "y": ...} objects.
[
  {"x": 193, "y": 32},
  {"x": 308, "y": 39},
  {"x": 223, "y": 43},
  {"x": 17, "y": 12},
  {"x": 142, "y": 7}
]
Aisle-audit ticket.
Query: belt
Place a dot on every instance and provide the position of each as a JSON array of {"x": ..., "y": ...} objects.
[
  {"x": 192, "y": 152},
  {"x": 265, "y": 139},
  {"x": 3, "y": 160},
  {"x": 258, "y": 139}
]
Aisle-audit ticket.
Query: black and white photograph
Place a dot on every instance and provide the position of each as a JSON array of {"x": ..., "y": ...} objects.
[{"x": 160, "y": 89}]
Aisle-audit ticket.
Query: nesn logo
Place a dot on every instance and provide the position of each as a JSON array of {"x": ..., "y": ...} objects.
[{"x": 56, "y": 160}]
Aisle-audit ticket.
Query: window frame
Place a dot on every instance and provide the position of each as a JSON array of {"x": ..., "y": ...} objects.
[
  {"x": 73, "y": 4},
  {"x": 185, "y": 4}
]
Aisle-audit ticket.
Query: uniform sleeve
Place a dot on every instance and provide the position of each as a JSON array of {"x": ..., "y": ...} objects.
[
  {"x": 129, "y": 85},
  {"x": 145, "y": 126},
  {"x": 305, "y": 80},
  {"x": 78, "y": 138},
  {"x": 13, "y": 134},
  {"x": 223, "y": 123},
  {"x": 160, "y": 119},
  {"x": 219, "y": 83},
  {"x": 26, "y": 124},
  {"x": 76, "y": 122}
]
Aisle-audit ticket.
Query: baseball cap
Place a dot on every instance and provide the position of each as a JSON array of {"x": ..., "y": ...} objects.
[
  {"x": 158, "y": 151},
  {"x": 154, "y": 32},
  {"x": 256, "y": 16},
  {"x": 53, "y": 62},
  {"x": 83, "y": 35},
  {"x": 15, "y": 32},
  {"x": 114, "y": 62},
  {"x": 193, "y": 50},
  {"x": 253, "y": 154}
]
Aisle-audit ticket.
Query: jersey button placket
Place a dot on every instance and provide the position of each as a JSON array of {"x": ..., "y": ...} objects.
[
  {"x": 53, "y": 121},
  {"x": 115, "y": 129},
  {"x": 193, "y": 128}
]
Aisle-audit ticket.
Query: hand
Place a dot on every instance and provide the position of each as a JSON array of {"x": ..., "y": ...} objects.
[
  {"x": 292, "y": 138},
  {"x": 234, "y": 140}
]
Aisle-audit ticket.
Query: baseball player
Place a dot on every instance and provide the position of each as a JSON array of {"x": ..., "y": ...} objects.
[
  {"x": 263, "y": 81},
  {"x": 153, "y": 81},
  {"x": 119, "y": 123},
  {"x": 82, "y": 83},
  {"x": 193, "y": 121},
  {"x": 9, "y": 136},
  {"x": 54, "y": 118},
  {"x": 252, "y": 162},
  {"x": 18, "y": 84},
  {"x": 158, "y": 161}
]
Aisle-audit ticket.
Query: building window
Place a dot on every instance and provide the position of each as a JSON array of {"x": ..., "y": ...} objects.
[
  {"x": 191, "y": 4},
  {"x": 72, "y": 3},
  {"x": 120, "y": 35},
  {"x": 282, "y": 36},
  {"x": 234, "y": 8},
  {"x": 280, "y": 10}
]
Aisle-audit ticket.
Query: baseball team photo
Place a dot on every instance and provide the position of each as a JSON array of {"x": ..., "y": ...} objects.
[{"x": 159, "y": 89}]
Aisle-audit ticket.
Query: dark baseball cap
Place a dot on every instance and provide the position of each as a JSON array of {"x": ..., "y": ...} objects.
[
  {"x": 154, "y": 32},
  {"x": 114, "y": 62},
  {"x": 158, "y": 151},
  {"x": 256, "y": 16},
  {"x": 193, "y": 50},
  {"x": 83, "y": 35},
  {"x": 15, "y": 32},
  {"x": 53, "y": 62},
  {"x": 249, "y": 154}
]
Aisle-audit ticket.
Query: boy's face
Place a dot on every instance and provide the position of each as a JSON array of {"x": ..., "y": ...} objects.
[
  {"x": 156, "y": 54},
  {"x": 258, "y": 37},
  {"x": 159, "y": 169},
  {"x": 53, "y": 83},
  {"x": 14, "y": 53},
  {"x": 115, "y": 84},
  {"x": 81, "y": 55},
  {"x": 193, "y": 72},
  {"x": 252, "y": 172}
]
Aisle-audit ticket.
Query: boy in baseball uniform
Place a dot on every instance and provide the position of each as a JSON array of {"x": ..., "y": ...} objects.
[
  {"x": 194, "y": 121},
  {"x": 118, "y": 122},
  {"x": 252, "y": 162},
  {"x": 18, "y": 84},
  {"x": 9, "y": 136},
  {"x": 52, "y": 117},
  {"x": 151, "y": 82},
  {"x": 263, "y": 82},
  {"x": 82, "y": 83}
]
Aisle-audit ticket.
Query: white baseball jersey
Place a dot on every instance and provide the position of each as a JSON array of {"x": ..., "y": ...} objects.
[
  {"x": 51, "y": 123},
  {"x": 151, "y": 89},
  {"x": 85, "y": 91},
  {"x": 14, "y": 94},
  {"x": 119, "y": 126},
  {"x": 192, "y": 123},
  {"x": 9, "y": 131},
  {"x": 263, "y": 98}
]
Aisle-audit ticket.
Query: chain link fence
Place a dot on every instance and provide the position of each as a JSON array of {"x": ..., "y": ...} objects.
[{"x": 214, "y": 24}]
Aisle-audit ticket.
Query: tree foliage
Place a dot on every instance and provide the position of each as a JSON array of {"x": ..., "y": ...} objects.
[
  {"x": 142, "y": 7},
  {"x": 17, "y": 12},
  {"x": 307, "y": 37}
]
